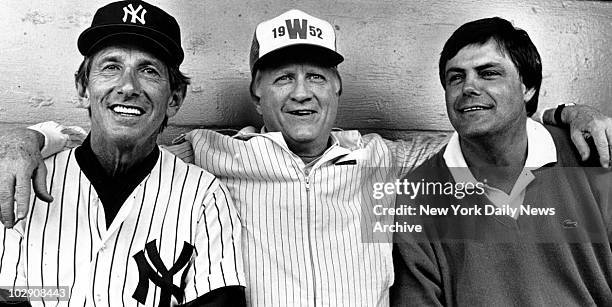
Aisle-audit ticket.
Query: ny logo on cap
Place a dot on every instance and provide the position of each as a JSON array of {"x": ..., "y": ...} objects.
[{"x": 130, "y": 10}]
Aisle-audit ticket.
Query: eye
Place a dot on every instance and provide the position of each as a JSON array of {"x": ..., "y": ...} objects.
[
  {"x": 283, "y": 79},
  {"x": 317, "y": 77},
  {"x": 151, "y": 71},
  {"x": 110, "y": 67},
  {"x": 454, "y": 78},
  {"x": 489, "y": 74}
]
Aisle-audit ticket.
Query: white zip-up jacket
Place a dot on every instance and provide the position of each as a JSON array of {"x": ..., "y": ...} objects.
[{"x": 307, "y": 238}]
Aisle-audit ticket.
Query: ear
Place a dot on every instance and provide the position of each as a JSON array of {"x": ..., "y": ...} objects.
[
  {"x": 528, "y": 93},
  {"x": 256, "y": 97},
  {"x": 174, "y": 103},
  {"x": 83, "y": 95},
  {"x": 257, "y": 103},
  {"x": 82, "y": 91},
  {"x": 338, "y": 87}
]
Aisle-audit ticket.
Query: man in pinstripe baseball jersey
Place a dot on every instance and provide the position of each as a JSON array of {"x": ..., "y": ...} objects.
[
  {"x": 298, "y": 185},
  {"x": 129, "y": 223}
]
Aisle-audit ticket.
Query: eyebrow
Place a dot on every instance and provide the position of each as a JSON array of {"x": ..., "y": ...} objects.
[
  {"x": 143, "y": 62},
  {"x": 149, "y": 62},
  {"x": 109, "y": 58},
  {"x": 454, "y": 69},
  {"x": 317, "y": 70},
  {"x": 478, "y": 68},
  {"x": 282, "y": 72},
  {"x": 488, "y": 65}
]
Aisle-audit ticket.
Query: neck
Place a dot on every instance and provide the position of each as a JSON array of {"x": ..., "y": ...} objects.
[
  {"x": 497, "y": 158},
  {"x": 117, "y": 158},
  {"x": 309, "y": 152}
]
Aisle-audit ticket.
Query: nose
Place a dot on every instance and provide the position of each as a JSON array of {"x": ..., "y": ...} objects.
[
  {"x": 471, "y": 86},
  {"x": 129, "y": 84},
  {"x": 301, "y": 91}
]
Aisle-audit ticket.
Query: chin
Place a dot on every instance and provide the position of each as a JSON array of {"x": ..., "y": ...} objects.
[
  {"x": 302, "y": 138},
  {"x": 476, "y": 132},
  {"x": 126, "y": 136},
  {"x": 474, "y": 128},
  {"x": 299, "y": 132}
]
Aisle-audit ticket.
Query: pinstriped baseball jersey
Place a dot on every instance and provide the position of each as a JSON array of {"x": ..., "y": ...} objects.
[
  {"x": 302, "y": 241},
  {"x": 175, "y": 238}
]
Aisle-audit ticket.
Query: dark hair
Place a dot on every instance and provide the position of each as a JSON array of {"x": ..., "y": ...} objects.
[
  {"x": 178, "y": 80},
  {"x": 513, "y": 42}
]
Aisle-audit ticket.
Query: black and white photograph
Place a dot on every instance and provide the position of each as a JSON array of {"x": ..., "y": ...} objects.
[{"x": 305, "y": 153}]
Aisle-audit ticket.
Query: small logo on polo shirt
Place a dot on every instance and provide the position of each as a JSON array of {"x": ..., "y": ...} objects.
[
  {"x": 129, "y": 10},
  {"x": 569, "y": 224}
]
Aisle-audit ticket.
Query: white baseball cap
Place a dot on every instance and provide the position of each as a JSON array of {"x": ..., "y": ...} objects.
[{"x": 294, "y": 34}]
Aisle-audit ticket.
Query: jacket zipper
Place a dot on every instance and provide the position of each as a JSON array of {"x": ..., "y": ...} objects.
[{"x": 314, "y": 280}]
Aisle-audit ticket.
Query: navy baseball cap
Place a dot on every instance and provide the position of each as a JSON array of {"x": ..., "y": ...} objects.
[{"x": 133, "y": 21}]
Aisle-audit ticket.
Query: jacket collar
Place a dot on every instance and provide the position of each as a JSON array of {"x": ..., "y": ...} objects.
[
  {"x": 343, "y": 142},
  {"x": 349, "y": 139}
]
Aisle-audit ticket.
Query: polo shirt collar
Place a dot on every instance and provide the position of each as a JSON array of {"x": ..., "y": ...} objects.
[{"x": 541, "y": 150}]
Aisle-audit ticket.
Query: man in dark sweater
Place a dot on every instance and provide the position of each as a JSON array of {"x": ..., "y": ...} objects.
[{"x": 531, "y": 224}]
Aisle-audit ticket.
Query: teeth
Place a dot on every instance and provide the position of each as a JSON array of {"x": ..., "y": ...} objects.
[
  {"x": 303, "y": 112},
  {"x": 126, "y": 110},
  {"x": 472, "y": 109}
]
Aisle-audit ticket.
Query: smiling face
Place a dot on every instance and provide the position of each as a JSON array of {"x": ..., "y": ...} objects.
[
  {"x": 129, "y": 96},
  {"x": 299, "y": 100},
  {"x": 484, "y": 92}
]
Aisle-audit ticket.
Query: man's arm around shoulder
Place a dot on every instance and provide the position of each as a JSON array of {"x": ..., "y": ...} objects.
[{"x": 20, "y": 164}]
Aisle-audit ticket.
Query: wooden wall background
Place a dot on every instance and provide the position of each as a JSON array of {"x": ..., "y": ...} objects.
[{"x": 391, "y": 49}]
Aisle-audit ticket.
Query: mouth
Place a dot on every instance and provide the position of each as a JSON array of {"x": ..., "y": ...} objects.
[
  {"x": 474, "y": 109},
  {"x": 126, "y": 110},
  {"x": 302, "y": 112}
]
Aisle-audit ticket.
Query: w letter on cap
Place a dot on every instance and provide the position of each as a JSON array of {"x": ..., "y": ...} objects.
[
  {"x": 295, "y": 28},
  {"x": 130, "y": 10}
]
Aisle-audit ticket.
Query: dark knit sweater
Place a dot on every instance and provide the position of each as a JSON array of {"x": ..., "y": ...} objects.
[{"x": 555, "y": 260}]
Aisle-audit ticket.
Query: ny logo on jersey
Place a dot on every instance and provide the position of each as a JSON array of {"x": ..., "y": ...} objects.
[
  {"x": 163, "y": 281},
  {"x": 129, "y": 10}
]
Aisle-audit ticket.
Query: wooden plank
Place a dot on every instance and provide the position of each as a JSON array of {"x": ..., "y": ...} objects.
[
  {"x": 391, "y": 50},
  {"x": 171, "y": 132}
]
